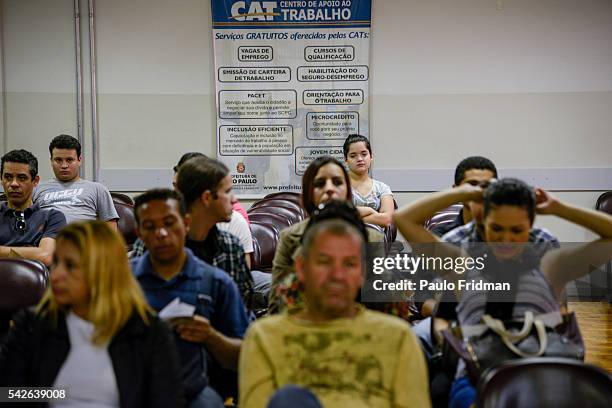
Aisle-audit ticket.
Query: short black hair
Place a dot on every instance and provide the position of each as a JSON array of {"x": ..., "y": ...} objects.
[
  {"x": 311, "y": 173},
  {"x": 186, "y": 157},
  {"x": 199, "y": 174},
  {"x": 510, "y": 191},
  {"x": 65, "y": 142},
  {"x": 473, "y": 162},
  {"x": 161, "y": 194},
  {"x": 23, "y": 157},
  {"x": 355, "y": 138},
  {"x": 337, "y": 216}
]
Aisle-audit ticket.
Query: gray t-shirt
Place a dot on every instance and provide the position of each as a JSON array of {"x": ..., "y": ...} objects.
[
  {"x": 373, "y": 198},
  {"x": 79, "y": 200}
]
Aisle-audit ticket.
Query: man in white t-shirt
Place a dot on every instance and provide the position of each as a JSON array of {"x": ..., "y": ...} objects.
[
  {"x": 78, "y": 199},
  {"x": 240, "y": 228}
]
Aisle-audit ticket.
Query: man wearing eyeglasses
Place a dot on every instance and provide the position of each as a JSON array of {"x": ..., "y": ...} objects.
[{"x": 26, "y": 230}]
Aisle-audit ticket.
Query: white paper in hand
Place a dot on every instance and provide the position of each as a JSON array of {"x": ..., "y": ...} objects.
[{"x": 176, "y": 309}]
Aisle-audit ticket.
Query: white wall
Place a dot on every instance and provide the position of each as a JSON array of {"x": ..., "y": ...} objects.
[
  {"x": 156, "y": 81},
  {"x": 526, "y": 83},
  {"x": 39, "y": 86}
]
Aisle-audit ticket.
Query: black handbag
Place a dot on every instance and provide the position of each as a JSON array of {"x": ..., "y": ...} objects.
[
  {"x": 494, "y": 341},
  {"x": 500, "y": 337}
]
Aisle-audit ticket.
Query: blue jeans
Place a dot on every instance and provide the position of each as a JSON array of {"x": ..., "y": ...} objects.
[
  {"x": 462, "y": 394},
  {"x": 207, "y": 398},
  {"x": 294, "y": 396},
  {"x": 262, "y": 282}
]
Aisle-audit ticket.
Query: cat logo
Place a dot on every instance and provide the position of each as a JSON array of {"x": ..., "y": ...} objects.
[{"x": 255, "y": 11}]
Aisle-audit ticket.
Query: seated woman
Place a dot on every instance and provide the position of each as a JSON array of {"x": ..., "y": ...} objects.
[
  {"x": 373, "y": 198},
  {"x": 325, "y": 179},
  {"x": 93, "y": 333},
  {"x": 509, "y": 211}
]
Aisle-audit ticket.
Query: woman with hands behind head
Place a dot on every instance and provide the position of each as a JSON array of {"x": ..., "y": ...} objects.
[
  {"x": 93, "y": 334},
  {"x": 510, "y": 207}
]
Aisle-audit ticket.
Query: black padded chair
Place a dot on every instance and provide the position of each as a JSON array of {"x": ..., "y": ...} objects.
[
  {"x": 545, "y": 382},
  {"x": 391, "y": 230},
  {"x": 124, "y": 198},
  {"x": 445, "y": 216},
  {"x": 264, "y": 203},
  {"x": 285, "y": 195},
  {"x": 22, "y": 284},
  {"x": 265, "y": 238},
  {"x": 277, "y": 221},
  {"x": 604, "y": 203},
  {"x": 291, "y": 213},
  {"x": 126, "y": 223}
]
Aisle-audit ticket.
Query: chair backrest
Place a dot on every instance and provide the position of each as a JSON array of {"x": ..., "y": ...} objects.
[
  {"x": 391, "y": 230},
  {"x": 278, "y": 203},
  {"x": 285, "y": 195},
  {"x": 22, "y": 283},
  {"x": 265, "y": 238},
  {"x": 279, "y": 222},
  {"x": 604, "y": 202},
  {"x": 545, "y": 382},
  {"x": 127, "y": 222},
  {"x": 292, "y": 214},
  {"x": 124, "y": 198},
  {"x": 445, "y": 216}
]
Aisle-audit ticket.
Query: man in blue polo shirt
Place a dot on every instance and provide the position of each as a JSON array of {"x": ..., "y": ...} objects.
[
  {"x": 210, "y": 340},
  {"x": 26, "y": 230}
]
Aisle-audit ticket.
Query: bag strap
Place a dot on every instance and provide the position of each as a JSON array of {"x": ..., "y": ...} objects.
[
  {"x": 498, "y": 327},
  {"x": 510, "y": 338}
]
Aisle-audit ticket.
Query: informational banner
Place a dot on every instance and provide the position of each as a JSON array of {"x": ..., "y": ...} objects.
[{"x": 292, "y": 82}]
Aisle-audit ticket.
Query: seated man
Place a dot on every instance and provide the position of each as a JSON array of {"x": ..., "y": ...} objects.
[
  {"x": 236, "y": 206},
  {"x": 26, "y": 230},
  {"x": 238, "y": 225},
  {"x": 206, "y": 185},
  {"x": 334, "y": 350},
  {"x": 78, "y": 199},
  {"x": 473, "y": 170},
  {"x": 211, "y": 339}
]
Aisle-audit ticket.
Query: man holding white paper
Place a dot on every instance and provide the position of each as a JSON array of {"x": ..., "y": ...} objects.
[{"x": 171, "y": 276}]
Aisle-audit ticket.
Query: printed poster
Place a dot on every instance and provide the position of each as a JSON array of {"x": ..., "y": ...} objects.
[{"x": 292, "y": 81}]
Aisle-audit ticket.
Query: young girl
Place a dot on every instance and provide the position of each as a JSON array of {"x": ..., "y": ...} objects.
[{"x": 373, "y": 198}]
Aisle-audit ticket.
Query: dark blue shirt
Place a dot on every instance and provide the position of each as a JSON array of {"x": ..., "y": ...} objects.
[
  {"x": 39, "y": 224},
  {"x": 211, "y": 291}
]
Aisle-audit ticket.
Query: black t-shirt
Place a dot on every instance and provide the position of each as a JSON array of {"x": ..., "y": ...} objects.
[
  {"x": 39, "y": 224},
  {"x": 206, "y": 249}
]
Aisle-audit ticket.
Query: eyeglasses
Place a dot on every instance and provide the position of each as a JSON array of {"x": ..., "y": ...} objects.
[{"x": 20, "y": 222}]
